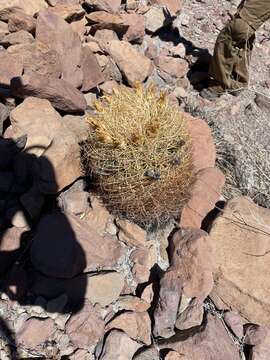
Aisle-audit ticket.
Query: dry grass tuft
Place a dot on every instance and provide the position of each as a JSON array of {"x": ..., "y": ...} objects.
[{"x": 138, "y": 154}]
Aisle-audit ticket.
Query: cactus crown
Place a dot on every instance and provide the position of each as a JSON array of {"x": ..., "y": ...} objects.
[{"x": 138, "y": 153}]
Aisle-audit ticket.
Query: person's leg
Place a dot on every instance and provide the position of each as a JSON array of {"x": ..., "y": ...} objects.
[{"x": 230, "y": 62}]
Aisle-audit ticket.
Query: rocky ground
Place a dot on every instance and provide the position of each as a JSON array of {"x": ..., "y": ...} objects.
[{"x": 78, "y": 283}]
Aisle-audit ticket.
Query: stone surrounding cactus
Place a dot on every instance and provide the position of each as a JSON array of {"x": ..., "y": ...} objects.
[{"x": 138, "y": 154}]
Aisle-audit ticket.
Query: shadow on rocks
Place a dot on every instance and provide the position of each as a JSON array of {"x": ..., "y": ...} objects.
[{"x": 30, "y": 223}]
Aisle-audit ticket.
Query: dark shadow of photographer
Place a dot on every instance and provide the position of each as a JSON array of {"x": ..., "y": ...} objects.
[{"x": 46, "y": 247}]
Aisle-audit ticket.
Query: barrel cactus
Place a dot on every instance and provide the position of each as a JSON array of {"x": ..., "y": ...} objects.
[{"x": 138, "y": 154}]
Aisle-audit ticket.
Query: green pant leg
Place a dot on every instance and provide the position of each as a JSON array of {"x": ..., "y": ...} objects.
[
  {"x": 221, "y": 65},
  {"x": 254, "y": 12},
  {"x": 230, "y": 62},
  {"x": 240, "y": 72}
]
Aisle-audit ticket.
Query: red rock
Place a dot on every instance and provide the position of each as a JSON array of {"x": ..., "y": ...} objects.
[
  {"x": 108, "y": 86},
  {"x": 76, "y": 202},
  {"x": 174, "y": 6},
  {"x": 255, "y": 334},
  {"x": 142, "y": 265},
  {"x": 99, "y": 218},
  {"x": 136, "y": 27},
  {"x": 86, "y": 327},
  {"x": 35, "y": 332},
  {"x": 204, "y": 152},
  {"x": 205, "y": 193},
  {"x": 150, "y": 353},
  {"x": 15, "y": 38},
  {"x": 10, "y": 68},
  {"x": 192, "y": 316},
  {"x": 118, "y": 346},
  {"x": 69, "y": 12},
  {"x": 168, "y": 303},
  {"x": 131, "y": 303},
  {"x": 175, "y": 67},
  {"x": 60, "y": 93},
  {"x": 92, "y": 74},
  {"x": 37, "y": 119},
  {"x": 191, "y": 259},
  {"x": 30, "y": 7},
  {"x": 131, "y": 234},
  {"x": 106, "y": 5},
  {"x": 211, "y": 342},
  {"x": 60, "y": 164},
  {"x": 37, "y": 60},
  {"x": 133, "y": 65},
  {"x": 79, "y": 27},
  {"x": 56, "y": 34},
  {"x": 261, "y": 351},
  {"x": 21, "y": 21},
  {"x": 241, "y": 246},
  {"x": 103, "y": 20},
  {"x": 105, "y": 288},
  {"x": 104, "y": 37},
  {"x": 84, "y": 248},
  {"x": 136, "y": 325},
  {"x": 9, "y": 247},
  {"x": 78, "y": 126},
  {"x": 173, "y": 355},
  {"x": 235, "y": 322},
  {"x": 156, "y": 18}
]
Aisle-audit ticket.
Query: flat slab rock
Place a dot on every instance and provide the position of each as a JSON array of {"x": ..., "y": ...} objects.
[
  {"x": 241, "y": 254},
  {"x": 64, "y": 246}
]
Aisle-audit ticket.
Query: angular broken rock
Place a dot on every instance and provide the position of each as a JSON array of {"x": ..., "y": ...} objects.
[
  {"x": 55, "y": 33},
  {"x": 103, "y": 20},
  {"x": 174, "y": 6},
  {"x": 168, "y": 303},
  {"x": 59, "y": 165},
  {"x": 212, "y": 342},
  {"x": 64, "y": 246},
  {"x": 92, "y": 72},
  {"x": 136, "y": 27},
  {"x": 173, "y": 355},
  {"x": 60, "y": 93},
  {"x": 241, "y": 250},
  {"x": 118, "y": 346},
  {"x": 21, "y": 21},
  {"x": 106, "y": 5},
  {"x": 16, "y": 38},
  {"x": 203, "y": 147},
  {"x": 103, "y": 289},
  {"x": 10, "y": 68},
  {"x": 175, "y": 67},
  {"x": 235, "y": 322},
  {"x": 131, "y": 303},
  {"x": 136, "y": 325},
  {"x": 156, "y": 18},
  {"x": 133, "y": 65},
  {"x": 192, "y": 316},
  {"x": 35, "y": 59},
  {"x": 30, "y": 7},
  {"x": 86, "y": 327},
  {"x": 35, "y": 332},
  {"x": 205, "y": 193},
  {"x": 191, "y": 259},
  {"x": 69, "y": 12},
  {"x": 37, "y": 119},
  {"x": 131, "y": 234}
]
